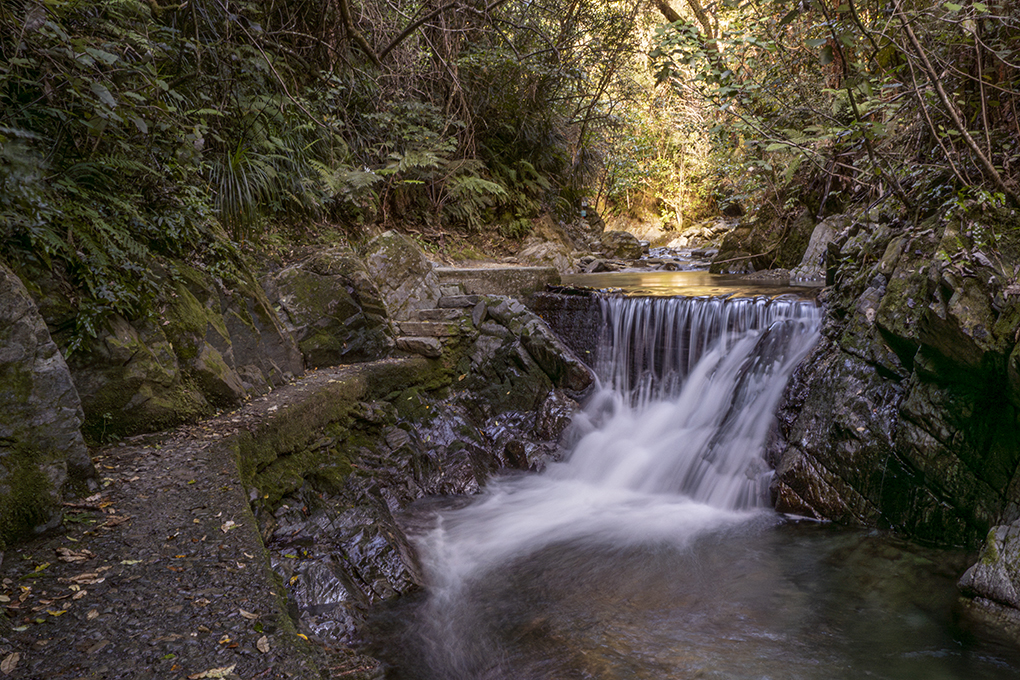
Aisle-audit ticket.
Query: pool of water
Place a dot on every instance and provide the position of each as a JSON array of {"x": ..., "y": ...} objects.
[{"x": 760, "y": 599}]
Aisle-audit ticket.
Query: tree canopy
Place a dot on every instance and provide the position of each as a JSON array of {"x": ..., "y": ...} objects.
[{"x": 133, "y": 129}]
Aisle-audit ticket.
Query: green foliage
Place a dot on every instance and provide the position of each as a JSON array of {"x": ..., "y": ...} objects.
[{"x": 842, "y": 93}]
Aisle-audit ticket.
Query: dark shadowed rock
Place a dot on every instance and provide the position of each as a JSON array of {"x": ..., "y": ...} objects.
[
  {"x": 333, "y": 308},
  {"x": 903, "y": 416}
]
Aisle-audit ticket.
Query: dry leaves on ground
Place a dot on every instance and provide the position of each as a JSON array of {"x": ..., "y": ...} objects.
[
  {"x": 214, "y": 673},
  {"x": 68, "y": 555},
  {"x": 8, "y": 665}
]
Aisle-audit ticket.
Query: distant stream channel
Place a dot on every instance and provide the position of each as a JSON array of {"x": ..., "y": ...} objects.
[{"x": 651, "y": 552}]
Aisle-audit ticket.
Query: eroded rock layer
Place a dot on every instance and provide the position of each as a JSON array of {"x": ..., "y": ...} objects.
[{"x": 905, "y": 415}]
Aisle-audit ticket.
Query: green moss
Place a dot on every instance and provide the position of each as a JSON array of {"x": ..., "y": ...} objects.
[
  {"x": 991, "y": 553},
  {"x": 27, "y": 501}
]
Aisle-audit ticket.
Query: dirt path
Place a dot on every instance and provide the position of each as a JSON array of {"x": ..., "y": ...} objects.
[{"x": 163, "y": 574}]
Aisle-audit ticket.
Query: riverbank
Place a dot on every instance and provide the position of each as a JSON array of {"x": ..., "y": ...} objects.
[{"x": 164, "y": 573}]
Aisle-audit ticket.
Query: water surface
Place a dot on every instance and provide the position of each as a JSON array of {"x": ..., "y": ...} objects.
[{"x": 650, "y": 552}]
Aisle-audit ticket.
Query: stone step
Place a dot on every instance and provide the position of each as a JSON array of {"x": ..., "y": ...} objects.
[
  {"x": 514, "y": 281},
  {"x": 458, "y": 301},
  {"x": 451, "y": 289},
  {"x": 442, "y": 314},
  {"x": 427, "y": 329},
  {"x": 426, "y": 347}
]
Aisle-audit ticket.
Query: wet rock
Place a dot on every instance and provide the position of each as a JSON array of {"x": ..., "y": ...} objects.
[
  {"x": 903, "y": 416},
  {"x": 42, "y": 453},
  {"x": 812, "y": 265},
  {"x": 407, "y": 281},
  {"x": 555, "y": 415},
  {"x": 333, "y": 308},
  {"x": 621, "y": 245},
  {"x": 996, "y": 575},
  {"x": 549, "y": 352}
]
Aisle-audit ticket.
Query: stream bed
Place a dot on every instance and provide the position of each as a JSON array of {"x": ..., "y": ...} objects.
[
  {"x": 760, "y": 598},
  {"x": 651, "y": 551}
]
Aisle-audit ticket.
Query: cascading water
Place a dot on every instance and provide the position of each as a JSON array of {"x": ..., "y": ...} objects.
[{"x": 648, "y": 552}]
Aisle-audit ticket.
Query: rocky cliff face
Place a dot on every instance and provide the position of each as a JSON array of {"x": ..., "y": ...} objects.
[
  {"x": 905, "y": 415},
  {"x": 42, "y": 454}
]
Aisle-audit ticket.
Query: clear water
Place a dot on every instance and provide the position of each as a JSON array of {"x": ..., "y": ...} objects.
[
  {"x": 649, "y": 552},
  {"x": 686, "y": 283}
]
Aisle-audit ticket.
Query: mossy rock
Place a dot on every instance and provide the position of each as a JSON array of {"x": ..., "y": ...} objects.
[
  {"x": 333, "y": 309},
  {"x": 42, "y": 453}
]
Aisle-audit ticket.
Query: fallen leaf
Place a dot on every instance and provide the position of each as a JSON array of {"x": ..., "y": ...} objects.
[
  {"x": 92, "y": 614},
  {"x": 80, "y": 594},
  {"x": 87, "y": 578},
  {"x": 56, "y": 613},
  {"x": 263, "y": 644},
  {"x": 68, "y": 555},
  {"x": 228, "y": 525},
  {"x": 225, "y": 639},
  {"x": 214, "y": 673},
  {"x": 248, "y": 615},
  {"x": 8, "y": 665},
  {"x": 4, "y": 599},
  {"x": 130, "y": 562}
]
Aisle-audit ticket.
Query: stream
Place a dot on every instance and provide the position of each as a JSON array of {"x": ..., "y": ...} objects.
[{"x": 651, "y": 550}]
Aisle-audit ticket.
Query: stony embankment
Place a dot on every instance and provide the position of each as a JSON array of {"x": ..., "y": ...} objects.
[
  {"x": 905, "y": 415},
  {"x": 163, "y": 572},
  {"x": 252, "y": 544}
]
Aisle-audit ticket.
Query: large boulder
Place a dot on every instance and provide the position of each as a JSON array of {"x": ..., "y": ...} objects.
[
  {"x": 812, "y": 265},
  {"x": 996, "y": 575},
  {"x": 333, "y": 308},
  {"x": 905, "y": 415},
  {"x": 621, "y": 245},
  {"x": 207, "y": 344},
  {"x": 406, "y": 279},
  {"x": 42, "y": 453}
]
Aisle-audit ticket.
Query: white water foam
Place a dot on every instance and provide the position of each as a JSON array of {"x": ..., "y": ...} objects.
[{"x": 667, "y": 450}]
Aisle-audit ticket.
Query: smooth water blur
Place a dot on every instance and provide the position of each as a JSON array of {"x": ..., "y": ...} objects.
[
  {"x": 648, "y": 553},
  {"x": 748, "y": 600}
]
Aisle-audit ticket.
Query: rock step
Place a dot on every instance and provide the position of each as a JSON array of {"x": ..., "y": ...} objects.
[
  {"x": 518, "y": 282},
  {"x": 441, "y": 314},
  {"x": 458, "y": 301},
  {"x": 451, "y": 289},
  {"x": 426, "y": 347},
  {"x": 427, "y": 329}
]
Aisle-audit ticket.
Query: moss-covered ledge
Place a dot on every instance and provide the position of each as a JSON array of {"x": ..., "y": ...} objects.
[
  {"x": 274, "y": 455},
  {"x": 179, "y": 580}
]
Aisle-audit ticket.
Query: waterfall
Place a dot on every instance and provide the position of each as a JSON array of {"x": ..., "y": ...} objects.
[{"x": 669, "y": 449}]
